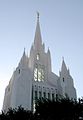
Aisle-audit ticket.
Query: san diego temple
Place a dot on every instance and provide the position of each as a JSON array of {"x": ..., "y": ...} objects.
[{"x": 33, "y": 78}]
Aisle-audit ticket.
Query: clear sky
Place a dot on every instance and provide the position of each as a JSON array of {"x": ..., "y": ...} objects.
[{"x": 61, "y": 23}]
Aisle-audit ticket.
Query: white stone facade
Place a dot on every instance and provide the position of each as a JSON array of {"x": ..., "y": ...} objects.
[{"x": 34, "y": 79}]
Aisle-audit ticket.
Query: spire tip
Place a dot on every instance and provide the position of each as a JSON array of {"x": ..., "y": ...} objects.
[
  {"x": 37, "y": 16},
  {"x": 62, "y": 58},
  {"x": 24, "y": 49}
]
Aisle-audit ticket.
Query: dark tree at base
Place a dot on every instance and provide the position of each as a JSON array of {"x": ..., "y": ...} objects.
[{"x": 61, "y": 109}]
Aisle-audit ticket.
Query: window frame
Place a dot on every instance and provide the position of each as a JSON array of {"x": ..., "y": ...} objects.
[{"x": 39, "y": 73}]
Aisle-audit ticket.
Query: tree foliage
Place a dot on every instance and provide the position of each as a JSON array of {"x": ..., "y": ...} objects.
[
  {"x": 61, "y": 109},
  {"x": 17, "y": 114}
]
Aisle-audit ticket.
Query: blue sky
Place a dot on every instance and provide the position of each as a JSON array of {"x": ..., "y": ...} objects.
[{"x": 61, "y": 23}]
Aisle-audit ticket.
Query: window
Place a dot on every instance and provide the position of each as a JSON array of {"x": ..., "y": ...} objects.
[
  {"x": 56, "y": 96},
  {"x": 63, "y": 79},
  {"x": 39, "y": 73},
  {"x": 19, "y": 71},
  {"x": 38, "y": 56},
  {"x": 44, "y": 95},
  {"x": 8, "y": 89},
  {"x": 35, "y": 95},
  {"x": 40, "y": 95},
  {"x": 49, "y": 96},
  {"x": 52, "y": 96},
  {"x": 36, "y": 74}
]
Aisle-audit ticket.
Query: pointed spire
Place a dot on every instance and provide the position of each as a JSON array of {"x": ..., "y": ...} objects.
[
  {"x": 68, "y": 71},
  {"x": 23, "y": 61},
  {"x": 38, "y": 16},
  {"x": 24, "y": 52},
  {"x": 37, "y": 39},
  {"x": 48, "y": 50},
  {"x": 62, "y": 58},
  {"x": 44, "y": 47},
  {"x": 24, "y": 56},
  {"x": 63, "y": 68}
]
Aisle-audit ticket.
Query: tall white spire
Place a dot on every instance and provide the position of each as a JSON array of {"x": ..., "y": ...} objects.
[
  {"x": 63, "y": 68},
  {"x": 24, "y": 60},
  {"x": 37, "y": 16},
  {"x": 37, "y": 39}
]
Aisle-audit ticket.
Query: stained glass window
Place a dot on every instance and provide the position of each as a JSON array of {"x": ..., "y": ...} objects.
[
  {"x": 36, "y": 74},
  {"x": 39, "y": 73}
]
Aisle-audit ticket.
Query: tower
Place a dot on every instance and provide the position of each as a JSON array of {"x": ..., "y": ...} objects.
[
  {"x": 66, "y": 81},
  {"x": 34, "y": 79}
]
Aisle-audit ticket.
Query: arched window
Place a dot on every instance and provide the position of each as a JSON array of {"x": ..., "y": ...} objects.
[
  {"x": 39, "y": 73},
  {"x": 38, "y": 56}
]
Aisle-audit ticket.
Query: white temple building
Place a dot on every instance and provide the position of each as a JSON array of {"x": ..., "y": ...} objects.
[{"x": 34, "y": 79}]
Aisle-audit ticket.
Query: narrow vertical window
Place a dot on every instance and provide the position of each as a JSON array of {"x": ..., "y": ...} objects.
[
  {"x": 40, "y": 95},
  {"x": 52, "y": 96},
  {"x": 63, "y": 79},
  {"x": 38, "y": 56},
  {"x": 39, "y": 73},
  {"x": 49, "y": 96},
  {"x": 56, "y": 96},
  {"x": 44, "y": 95},
  {"x": 19, "y": 71},
  {"x": 8, "y": 89},
  {"x": 36, "y": 95},
  {"x": 36, "y": 73}
]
